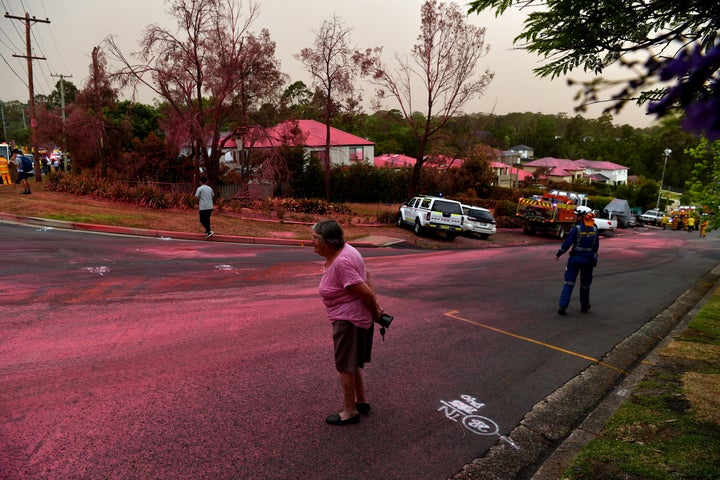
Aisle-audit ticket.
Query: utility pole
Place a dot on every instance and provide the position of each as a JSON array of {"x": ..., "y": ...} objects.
[
  {"x": 29, "y": 57},
  {"x": 2, "y": 111},
  {"x": 62, "y": 93}
]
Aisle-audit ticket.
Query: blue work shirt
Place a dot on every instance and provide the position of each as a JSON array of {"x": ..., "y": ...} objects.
[{"x": 584, "y": 241}]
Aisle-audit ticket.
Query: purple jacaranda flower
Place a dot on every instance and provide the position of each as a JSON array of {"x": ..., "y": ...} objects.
[
  {"x": 696, "y": 90},
  {"x": 702, "y": 117}
]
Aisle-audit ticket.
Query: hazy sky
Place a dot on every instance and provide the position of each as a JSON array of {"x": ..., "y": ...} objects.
[{"x": 79, "y": 25}]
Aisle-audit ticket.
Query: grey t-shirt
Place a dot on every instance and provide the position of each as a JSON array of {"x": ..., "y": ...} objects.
[{"x": 205, "y": 194}]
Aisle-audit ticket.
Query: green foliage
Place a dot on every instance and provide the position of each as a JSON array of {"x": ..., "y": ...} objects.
[
  {"x": 705, "y": 181},
  {"x": 366, "y": 184},
  {"x": 599, "y": 203},
  {"x": 390, "y": 132}
]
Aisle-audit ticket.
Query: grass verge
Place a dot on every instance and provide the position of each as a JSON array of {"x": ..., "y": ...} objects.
[
  {"x": 670, "y": 426},
  {"x": 247, "y": 223}
]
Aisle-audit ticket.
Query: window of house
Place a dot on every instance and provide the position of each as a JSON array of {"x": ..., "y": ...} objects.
[{"x": 356, "y": 153}]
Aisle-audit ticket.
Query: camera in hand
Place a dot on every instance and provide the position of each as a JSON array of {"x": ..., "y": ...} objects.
[{"x": 385, "y": 320}]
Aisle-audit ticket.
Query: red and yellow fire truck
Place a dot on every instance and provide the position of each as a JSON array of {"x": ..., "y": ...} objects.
[{"x": 550, "y": 213}]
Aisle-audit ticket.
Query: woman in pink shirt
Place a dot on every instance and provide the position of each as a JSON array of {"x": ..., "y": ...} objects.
[{"x": 352, "y": 308}]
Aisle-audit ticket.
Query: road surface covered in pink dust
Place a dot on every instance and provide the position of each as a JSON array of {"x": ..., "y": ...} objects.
[{"x": 144, "y": 358}]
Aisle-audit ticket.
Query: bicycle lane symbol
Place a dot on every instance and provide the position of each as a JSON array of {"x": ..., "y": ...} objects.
[{"x": 464, "y": 410}]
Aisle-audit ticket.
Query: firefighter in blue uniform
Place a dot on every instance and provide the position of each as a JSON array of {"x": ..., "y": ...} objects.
[{"x": 583, "y": 238}]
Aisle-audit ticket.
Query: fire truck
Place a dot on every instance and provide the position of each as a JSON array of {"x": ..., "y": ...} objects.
[
  {"x": 5, "y": 150},
  {"x": 551, "y": 213}
]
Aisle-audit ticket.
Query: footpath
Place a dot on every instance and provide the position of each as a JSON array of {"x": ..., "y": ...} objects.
[{"x": 561, "y": 426}]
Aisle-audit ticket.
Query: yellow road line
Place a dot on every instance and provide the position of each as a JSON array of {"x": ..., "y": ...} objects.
[{"x": 452, "y": 314}]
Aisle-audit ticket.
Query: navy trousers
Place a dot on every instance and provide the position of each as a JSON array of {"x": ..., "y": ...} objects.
[{"x": 582, "y": 265}]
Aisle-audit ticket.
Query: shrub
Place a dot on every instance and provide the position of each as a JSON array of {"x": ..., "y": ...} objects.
[
  {"x": 505, "y": 208},
  {"x": 146, "y": 194},
  {"x": 387, "y": 217}
]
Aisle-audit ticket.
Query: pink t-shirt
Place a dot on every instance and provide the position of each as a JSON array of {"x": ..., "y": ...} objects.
[{"x": 346, "y": 270}]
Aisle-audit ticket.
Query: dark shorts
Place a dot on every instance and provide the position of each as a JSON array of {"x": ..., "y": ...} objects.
[
  {"x": 353, "y": 345},
  {"x": 22, "y": 176}
]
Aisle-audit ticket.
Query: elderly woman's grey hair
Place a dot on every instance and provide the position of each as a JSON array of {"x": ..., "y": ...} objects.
[{"x": 331, "y": 233}]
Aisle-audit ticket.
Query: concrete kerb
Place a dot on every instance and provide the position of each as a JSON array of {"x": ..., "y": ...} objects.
[
  {"x": 556, "y": 429},
  {"x": 370, "y": 242}
]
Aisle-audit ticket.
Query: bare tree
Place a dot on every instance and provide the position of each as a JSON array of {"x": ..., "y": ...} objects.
[
  {"x": 210, "y": 73},
  {"x": 444, "y": 62},
  {"x": 334, "y": 64}
]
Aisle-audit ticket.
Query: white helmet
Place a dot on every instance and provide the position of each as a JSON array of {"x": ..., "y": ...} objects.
[{"x": 582, "y": 211}]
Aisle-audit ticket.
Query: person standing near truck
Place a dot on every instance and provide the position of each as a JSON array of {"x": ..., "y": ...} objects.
[
  {"x": 5, "y": 171},
  {"x": 584, "y": 240}
]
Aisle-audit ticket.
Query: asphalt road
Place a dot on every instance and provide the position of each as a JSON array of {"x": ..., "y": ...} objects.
[{"x": 126, "y": 357}]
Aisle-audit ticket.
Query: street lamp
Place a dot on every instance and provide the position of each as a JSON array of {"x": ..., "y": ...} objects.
[{"x": 667, "y": 153}]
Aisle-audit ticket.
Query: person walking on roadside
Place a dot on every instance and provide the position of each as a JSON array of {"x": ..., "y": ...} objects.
[
  {"x": 352, "y": 308},
  {"x": 5, "y": 171},
  {"x": 583, "y": 238},
  {"x": 205, "y": 194}
]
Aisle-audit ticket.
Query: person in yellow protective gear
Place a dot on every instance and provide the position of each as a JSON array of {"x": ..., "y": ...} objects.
[
  {"x": 664, "y": 221},
  {"x": 703, "y": 227},
  {"x": 5, "y": 171},
  {"x": 690, "y": 223}
]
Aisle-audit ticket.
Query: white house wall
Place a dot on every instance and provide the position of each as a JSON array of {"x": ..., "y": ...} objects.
[{"x": 340, "y": 155}]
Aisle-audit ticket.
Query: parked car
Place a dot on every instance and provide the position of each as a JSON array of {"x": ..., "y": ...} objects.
[
  {"x": 479, "y": 221},
  {"x": 604, "y": 224},
  {"x": 652, "y": 217},
  {"x": 432, "y": 213}
]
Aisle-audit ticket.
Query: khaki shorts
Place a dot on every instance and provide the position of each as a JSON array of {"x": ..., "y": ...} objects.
[{"x": 353, "y": 345}]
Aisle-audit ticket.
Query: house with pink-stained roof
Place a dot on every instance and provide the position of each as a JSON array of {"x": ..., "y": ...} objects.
[
  {"x": 393, "y": 160},
  {"x": 608, "y": 172},
  {"x": 443, "y": 162},
  {"x": 561, "y": 169},
  {"x": 310, "y": 135},
  {"x": 397, "y": 160},
  {"x": 556, "y": 169},
  {"x": 507, "y": 175}
]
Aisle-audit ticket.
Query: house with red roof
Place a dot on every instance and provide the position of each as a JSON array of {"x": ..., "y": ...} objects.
[{"x": 310, "y": 135}]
